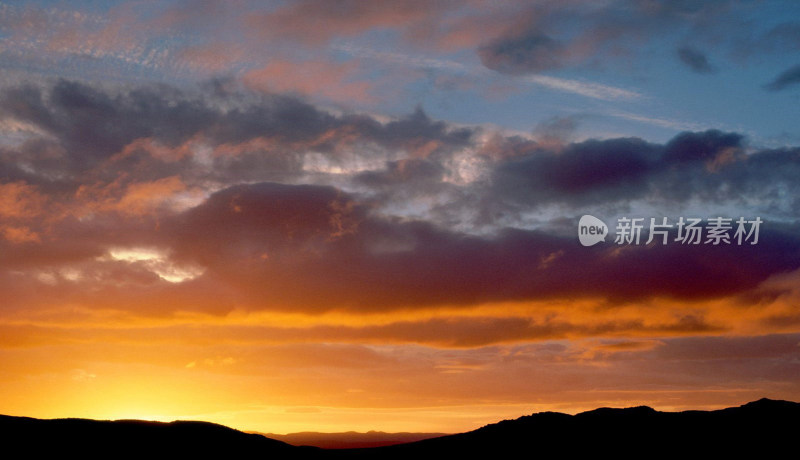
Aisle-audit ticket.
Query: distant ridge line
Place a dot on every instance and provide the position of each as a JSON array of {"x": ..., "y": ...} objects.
[{"x": 764, "y": 427}]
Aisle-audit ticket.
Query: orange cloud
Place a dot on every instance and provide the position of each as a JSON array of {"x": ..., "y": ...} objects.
[
  {"x": 19, "y": 234},
  {"x": 331, "y": 80},
  {"x": 20, "y": 200},
  {"x": 136, "y": 198},
  {"x": 315, "y": 22},
  {"x": 143, "y": 197},
  {"x": 158, "y": 150},
  {"x": 212, "y": 58}
]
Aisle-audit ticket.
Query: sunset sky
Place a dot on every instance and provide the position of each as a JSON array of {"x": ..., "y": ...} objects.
[{"x": 344, "y": 215}]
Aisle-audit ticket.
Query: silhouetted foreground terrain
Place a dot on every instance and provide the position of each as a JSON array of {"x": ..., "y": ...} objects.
[
  {"x": 124, "y": 438},
  {"x": 350, "y": 439},
  {"x": 765, "y": 428}
]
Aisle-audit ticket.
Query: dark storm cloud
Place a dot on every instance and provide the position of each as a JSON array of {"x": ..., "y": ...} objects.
[
  {"x": 788, "y": 78},
  {"x": 694, "y": 59},
  {"x": 316, "y": 248},
  {"x": 591, "y": 170},
  {"x": 419, "y": 127},
  {"x": 705, "y": 146},
  {"x": 530, "y": 53},
  {"x": 85, "y": 126},
  {"x": 710, "y": 165},
  {"x": 92, "y": 124}
]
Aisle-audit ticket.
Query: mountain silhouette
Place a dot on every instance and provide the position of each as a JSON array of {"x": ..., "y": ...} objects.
[
  {"x": 764, "y": 428},
  {"x": 350, "y": 439},
  {"x": 127, "y": 438}
]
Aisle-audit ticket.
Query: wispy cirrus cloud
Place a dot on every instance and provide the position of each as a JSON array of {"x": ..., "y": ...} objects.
[
  {"x": 787, "y": 78},
  {"x": 582, "y": 88},
  {"x": 677, "y": 125},
  {"x": 588, "y": 89}
]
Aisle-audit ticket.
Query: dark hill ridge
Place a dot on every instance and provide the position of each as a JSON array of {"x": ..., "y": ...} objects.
[
  {"x": 765, "y": 428},
  {"x": 350, "y": 439},
  {"x": 103, "y": 438}
]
